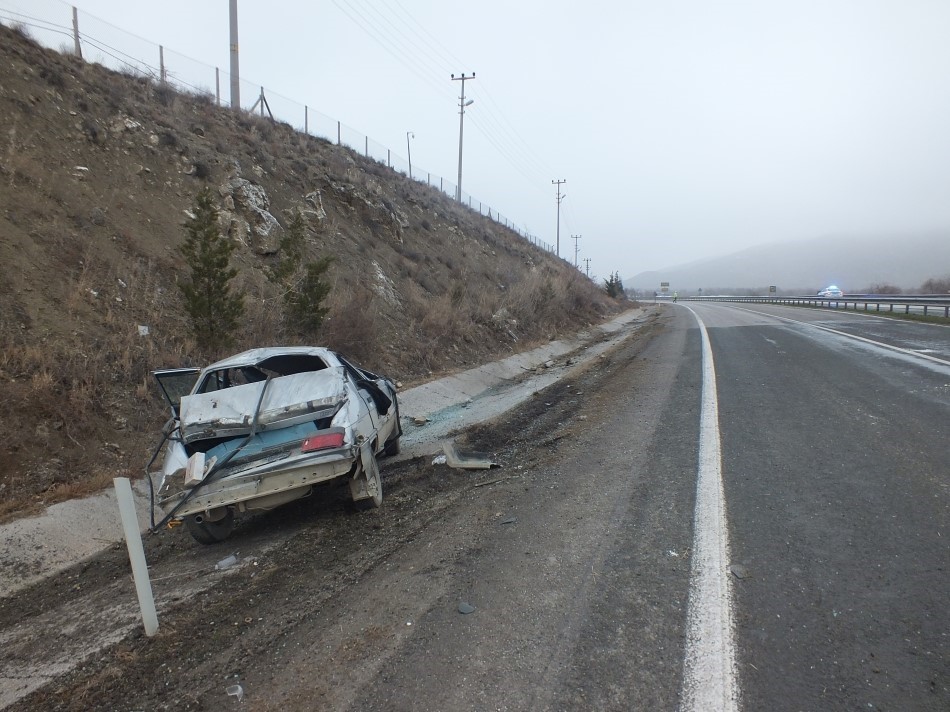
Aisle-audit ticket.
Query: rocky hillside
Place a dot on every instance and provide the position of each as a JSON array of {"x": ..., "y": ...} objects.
[{"x": 97, "y": 171}]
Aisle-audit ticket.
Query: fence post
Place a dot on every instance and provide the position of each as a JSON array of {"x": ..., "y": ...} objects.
[
  {"x": 161, "y": 64},
  {"x": 366, "y": 144},
  {"x": 217, "y": 86},
  {"x": 389, "y": 158},
  {"x": 339, "y": 141},
  {"x": 76, "y": 44},
  {"x": 306, "y": 119}
]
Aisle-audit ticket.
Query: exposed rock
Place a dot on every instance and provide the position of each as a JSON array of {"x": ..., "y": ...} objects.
[
  {"x": 315, "y": 199},
  {"x": 122, "y": 123},
  {"x": 383, "y": 285},
  {"x": 384, "y": 219},
  {"x": 260, "y": 229},
  {"x": 234, "y": 226}
]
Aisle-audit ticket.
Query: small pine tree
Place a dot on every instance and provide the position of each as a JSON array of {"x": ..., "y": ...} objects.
[
  {"x": 305, "y": 304},
  {"x": 303, "y": 288},
  {"x": 289, "y": 250},
  {"x": 613, "y": 285},
  {"x": 213, "y": 309}
]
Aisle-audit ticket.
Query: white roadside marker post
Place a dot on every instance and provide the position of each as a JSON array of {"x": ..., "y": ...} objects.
[{"x": 133, "y": 539}]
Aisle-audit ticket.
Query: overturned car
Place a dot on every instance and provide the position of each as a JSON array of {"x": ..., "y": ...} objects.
[{"x": 259, "y": 429}]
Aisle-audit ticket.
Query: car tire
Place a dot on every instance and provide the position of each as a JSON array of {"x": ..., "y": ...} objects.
[
  {"x": 391, "y": 448},
  {"x": 205, "y": 531}
]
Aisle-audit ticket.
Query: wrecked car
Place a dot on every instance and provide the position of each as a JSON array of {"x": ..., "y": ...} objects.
[{"x": 259, "y": 429}]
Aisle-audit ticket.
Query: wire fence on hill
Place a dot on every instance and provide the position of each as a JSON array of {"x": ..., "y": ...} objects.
[{"x": 60, "y": 26}]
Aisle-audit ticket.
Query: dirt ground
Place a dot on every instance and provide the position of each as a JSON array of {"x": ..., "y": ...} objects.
[{"x": 321, "y": 597}]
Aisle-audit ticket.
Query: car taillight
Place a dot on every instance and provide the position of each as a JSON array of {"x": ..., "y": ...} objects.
[{"x": 322, "y": 441}]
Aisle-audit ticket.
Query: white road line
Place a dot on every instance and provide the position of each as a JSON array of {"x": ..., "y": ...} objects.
[
  {"x": 879, "y": 344},
  {"x": 710, "y": 681}
]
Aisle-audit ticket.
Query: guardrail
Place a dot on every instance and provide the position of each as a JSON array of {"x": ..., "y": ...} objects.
[{"x": 928, "y": 306}]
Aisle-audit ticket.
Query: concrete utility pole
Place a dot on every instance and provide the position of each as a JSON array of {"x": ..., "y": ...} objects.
[
  {"x": 587, "y": 263},
  {"x": 409, "y": 134},
  {"x": 77, "y": 48},
  {"x": 560, "y": 197},
  {"x": 576, "y": 248},
  {"x": 235, "y": 70},
  {"x": 462, "y": 105}
]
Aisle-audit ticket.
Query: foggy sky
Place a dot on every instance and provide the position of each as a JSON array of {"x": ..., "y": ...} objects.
[{"x": 685, "y": 129}]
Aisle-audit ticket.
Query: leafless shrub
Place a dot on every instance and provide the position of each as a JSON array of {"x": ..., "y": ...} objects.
[
  {"x": 884, "y": 288},
  {"x": 936, "y": 285},
  {"x": 22, "y": 30},
  {"x": 202, "y": 170},
  {"x": 351, "y": 326},
  {"x": 54, "y": 76},
  {"x": 164, "y": 94},
  {"x": 204, "y": 97}
]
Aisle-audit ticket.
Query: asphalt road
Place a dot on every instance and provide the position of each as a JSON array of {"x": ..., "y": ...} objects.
[
  {"x": 777, "y": 542},
  {"x": 836, "y": 474},
  {"x": 834, "y": 483}
]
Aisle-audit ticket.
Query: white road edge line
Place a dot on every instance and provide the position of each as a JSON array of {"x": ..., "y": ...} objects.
[
  {"x": 879, "y": 344},
  {"x": 710, "y": 681}
]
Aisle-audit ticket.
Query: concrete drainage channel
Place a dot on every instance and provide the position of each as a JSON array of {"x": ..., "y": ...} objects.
[{"x": 34, "y": 548}]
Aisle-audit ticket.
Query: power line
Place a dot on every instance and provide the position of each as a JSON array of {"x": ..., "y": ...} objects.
[{"x": 384, "y": 27}]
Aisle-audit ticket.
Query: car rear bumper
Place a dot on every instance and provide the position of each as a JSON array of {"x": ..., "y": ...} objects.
[{"x": 262, "y": 487}]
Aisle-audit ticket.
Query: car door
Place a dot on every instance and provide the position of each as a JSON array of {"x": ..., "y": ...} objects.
[{"x": 175, "y": 384}]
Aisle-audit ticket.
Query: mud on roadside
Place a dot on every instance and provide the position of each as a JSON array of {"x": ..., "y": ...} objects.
[{"x": 296, "y": 562}]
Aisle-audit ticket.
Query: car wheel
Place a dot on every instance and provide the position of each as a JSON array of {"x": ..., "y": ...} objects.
[
  {"x": 206, "y": 531},
  {"x": 391, "y": 448}
]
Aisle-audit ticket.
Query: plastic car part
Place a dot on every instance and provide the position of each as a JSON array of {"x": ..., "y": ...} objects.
[{"x": 366, "y": 487}]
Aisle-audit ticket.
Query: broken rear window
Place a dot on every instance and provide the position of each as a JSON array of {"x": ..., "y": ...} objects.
[{"x": 275, "y": 366}]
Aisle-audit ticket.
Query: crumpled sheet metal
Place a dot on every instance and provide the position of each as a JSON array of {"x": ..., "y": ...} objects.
[{"x": 471, "y": 461}]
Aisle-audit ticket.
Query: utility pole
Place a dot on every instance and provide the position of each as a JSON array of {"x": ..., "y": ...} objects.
[
  {"x": 77, "y": 48},
  {"x": 576, "y": 248},
  {"x": 560, "y": 197},
  {"x": 409, "y": 150},
  {"x": 235, "y": 71},
  {"x": 587, "y": 263},
  {"x": 462, "y": 105}
]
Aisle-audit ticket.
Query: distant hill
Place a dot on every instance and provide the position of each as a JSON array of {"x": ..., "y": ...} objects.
[{"x": 852, "y": 262}]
